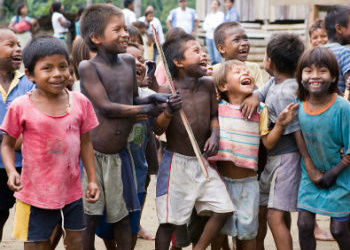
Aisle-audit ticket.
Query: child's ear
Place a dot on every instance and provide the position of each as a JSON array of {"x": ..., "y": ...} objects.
[
  {"x": 222, "y": 88},
  {"x": 29, "y": 75},
  {"x": 339, "y": 29},
  {"x": 95, "y": 39},
  {"x": 221, "y": 48},
  {"x": 178, "y": 63}
]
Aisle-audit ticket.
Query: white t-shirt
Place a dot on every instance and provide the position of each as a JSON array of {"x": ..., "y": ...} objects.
[
  {"x": 212, "y": 20},
  {"x": 183, "y": 18},
  {"x": 129, "y": 16},
  {"x": 57, "y": 27}
]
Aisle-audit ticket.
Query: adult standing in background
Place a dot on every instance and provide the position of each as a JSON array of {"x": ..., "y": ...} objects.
[
  {"x": 231, "y": 11},
  {"x": 128, "y": 11},
  {"x": 183, "y": 17},
  {"x": 60, "y": 24},
  {"x": 213, "y": 20},
  {"x": 22, "y": 24},
  {"x": 150, "y": 20}
]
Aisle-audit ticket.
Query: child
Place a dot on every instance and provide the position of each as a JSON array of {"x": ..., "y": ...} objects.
[
  {"x": 237, "y": 159},
  {"x": 55, "y": 124},
  {"x": 181, "y": 185},
  {"x": 280, "y": 179},
  {"x": 232, "y": 42},
  {"x": 324, "y": 120},
  {"x": 60, "y": 24},
  {"x": 12, "y": 85},
  {"x": 337, "y": 24},
  {"x": 318, "y": 34},
  {"x": 109, "y": 80}
]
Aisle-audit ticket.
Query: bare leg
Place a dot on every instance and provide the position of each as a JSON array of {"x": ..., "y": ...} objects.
[
  {"x": 246, "y": 244},
  {"x": 340, "y": 232},
  {"x": 133, "y": 241},
  {"x": 122, "y": 234},
  {"x": 110, "y": 244},
  {"x": 211, "y": 229},
  {"x": 4, "y": 215},
  {"x": 321, "y": 234},
  {"x": 89, "y": 233},
  {"x": 306, "y": 225},
  {"x": 262, "y": 230},
  {"x": 42, "y": 245},
  {"x": 279, "y": 229},
  {"x": 163, "y": 236},
  {"x": 218, "y": 241},
  {"x": 55, "y": 237},
  {"x": 73, "y": 240}
]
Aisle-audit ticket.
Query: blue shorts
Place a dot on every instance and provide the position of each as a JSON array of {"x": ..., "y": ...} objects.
[{"x": 34, "y": 224}]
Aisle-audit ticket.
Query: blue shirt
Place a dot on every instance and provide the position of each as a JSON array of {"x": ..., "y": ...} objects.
[
  {"x": 232, "y": 15},
  {"x": 19, "y": 86}
]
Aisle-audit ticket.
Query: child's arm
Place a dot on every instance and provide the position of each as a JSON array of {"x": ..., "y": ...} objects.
[
  {"x": 163, "y": 120},
  {"x": 97, "y": 94},
  {"x": 314, "y": 174},
  {"x": 87, "y": 155},
  {"x": 249, "y": 105},
  {"x": 285, "y": 117},
  {"x": 8, "y": 159}
]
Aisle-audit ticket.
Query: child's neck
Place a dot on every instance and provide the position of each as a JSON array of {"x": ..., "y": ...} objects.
[
  {"x": 184, "y": 81},
  {"x": 336, "y": 39},
  {"x": 6, "y": 78},
  {"x": 106, "y": 57},
  {"x": 236, "y": 99},
  {"x": 319, "y": 100},
  {"x": 280, "y": 77}
]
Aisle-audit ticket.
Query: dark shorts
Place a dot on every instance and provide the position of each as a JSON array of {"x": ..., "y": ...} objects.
[
  {"x": 34, "y": 224},
  {"x": 6, "y": 195}
]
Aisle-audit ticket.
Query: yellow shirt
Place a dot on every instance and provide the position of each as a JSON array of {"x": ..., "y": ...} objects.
[{"x": 13, "y": 84}]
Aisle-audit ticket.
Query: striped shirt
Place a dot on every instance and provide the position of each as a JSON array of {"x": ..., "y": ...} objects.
[
  {"x": 239, "y": 138},
  {"x": 342, "y": 53}
]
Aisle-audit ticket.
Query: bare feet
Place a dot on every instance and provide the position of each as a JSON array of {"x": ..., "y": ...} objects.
[
  {"x": 143, "y": 234},
  {"x": 322, "y": 235}
]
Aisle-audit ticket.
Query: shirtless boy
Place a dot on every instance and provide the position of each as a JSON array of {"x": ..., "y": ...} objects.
[
  {"x": 109, "y": 81},
  {"x": 181, "y": 185}
]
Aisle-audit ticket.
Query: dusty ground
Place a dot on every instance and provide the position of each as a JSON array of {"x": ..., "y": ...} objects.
[{"x": 149, "y": 221}]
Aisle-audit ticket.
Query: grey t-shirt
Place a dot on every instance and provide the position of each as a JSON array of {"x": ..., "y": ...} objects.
[{"x": 277, "y": 97}]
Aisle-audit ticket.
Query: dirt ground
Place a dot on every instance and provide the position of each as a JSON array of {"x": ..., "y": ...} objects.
[{"x": 149, "y": 222}]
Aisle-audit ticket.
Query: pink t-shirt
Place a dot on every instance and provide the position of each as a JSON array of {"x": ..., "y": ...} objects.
[{"x": 51, "y": 146}]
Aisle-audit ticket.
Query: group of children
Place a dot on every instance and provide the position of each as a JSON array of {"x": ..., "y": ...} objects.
[{"x": 298, "y": 115}]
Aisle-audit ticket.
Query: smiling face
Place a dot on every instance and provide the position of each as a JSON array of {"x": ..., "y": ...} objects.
[
  {"x": 140, "y": 63},
  {"x": 51, "y": 74},
  {"x": 195, "y": 60},
  {"x": 316, "y": 80},
  {"x": 239, "y": 81},
  {"x": 10, "y": 52},
  {"x": 318, "y": 37},
  {"x": 115, "y": 38},
  {"x": 236, "y": 45}
]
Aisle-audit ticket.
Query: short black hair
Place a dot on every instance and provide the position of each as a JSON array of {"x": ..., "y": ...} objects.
[
  {"x": 134, "y": 35},
  {"x": 56, "y": 6},
  {"x": 127, "y": 2},
  {"x": 232, "y": 1},
  {"x": 319, "y": 57},
  {"x": 221, "y": 31},
  {"x": 40, "y": 47},
  {"x": 337, "y": 14},
  {"x": 284, "y": 50},
  {"x": 174, "y": 49},
  {"x": 94, "y": 20}
]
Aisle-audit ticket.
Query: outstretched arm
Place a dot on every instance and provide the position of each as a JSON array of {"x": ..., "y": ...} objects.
[
  {"x": 250, "y": 105},
  {"x": 8, "y": 159}
]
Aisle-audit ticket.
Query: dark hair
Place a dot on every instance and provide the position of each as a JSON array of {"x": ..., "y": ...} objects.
[
  {"x": 318, "y": 24},
  {"x": 175, "y": 32},
  {"x": 19, "y": 8},
  {"x": 127, "y": 2},
  {"x": 217, "y": 2},
  {"x": 80, "y": 11},
  {"x": 337, "y": 14},
  {"x": 149, "y": 12},
  {"x": 174, "y": 49},
  {"x": 80, "y": 52},
  {"x": 56, "y": 6},
  {"x": 40, "y": 47},
  {"x": 319, "y": 57},
  {"x": 134, "y": 35},
  {"x": 221, "y": 31},
  {"x": 284, "y": 50},
  {"x": 139, "y": 25},
  {"x": 94, "y": 20},
  {"x": 232, "y": 1}
]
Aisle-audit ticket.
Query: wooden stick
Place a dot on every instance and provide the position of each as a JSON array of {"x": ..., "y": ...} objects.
[{"x": 202, "y": 161}]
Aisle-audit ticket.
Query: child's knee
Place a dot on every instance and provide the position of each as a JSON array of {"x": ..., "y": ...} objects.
[
  {"x": 74, "y": 239},
  {"x": 305, "y": 226},
  {"x": 339, "y": 229}
]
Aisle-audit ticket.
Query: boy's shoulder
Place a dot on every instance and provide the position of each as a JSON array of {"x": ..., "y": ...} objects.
[{"x": 337, "y": 48}]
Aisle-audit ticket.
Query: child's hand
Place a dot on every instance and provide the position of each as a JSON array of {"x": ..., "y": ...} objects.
[
  {"x": 314, "y": 174},
  {"x": 249, "y": 106},
  {"x": 174, "y": 103},
  {"x": 211, "y": 146},
  {"x": 92, "y": 192},
  {"x": 287, "y": 115},
  {"x": 160, "y": 98},
  {"x": 14, "y": 181},
  {"x": 154, "y": 109}
]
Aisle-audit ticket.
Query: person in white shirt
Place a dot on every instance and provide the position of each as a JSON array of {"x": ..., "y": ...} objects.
[
  {"x": 128, "y": 11},
  {"x": 213, "y": 20},
  {"x": 60, "y": 24},
  {"x": 183, "y": 17}
]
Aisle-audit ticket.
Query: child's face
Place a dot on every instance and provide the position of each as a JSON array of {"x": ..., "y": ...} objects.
[
  {"x": 316, "y": 80},
  {"x": 51, "y": 74},
  {"x": 10, "y": 52},
  {"x": 116, "y": 36},
  {"x": 228, "y": 4},
  {"x": 236, "y": 45},
  {"x": 239, "y": 81},
  {"x": 344, "y": 32},
  {"x": 140, "y": 63},
  {"x": 318, "y": 37},
  {"x": 71, "y": 80},
  {"x": 195, "y": 60}
]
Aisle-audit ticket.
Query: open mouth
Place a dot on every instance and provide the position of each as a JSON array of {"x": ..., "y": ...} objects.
[
  {"x": 246, "y": 82},
  {"x": 138, "y": 73},
  {"x": 243, "y": 52},
  {"x": 203, "y": 63},
  {"x": 315, "y": 83},
  {"x": 16, "y": 58}
]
